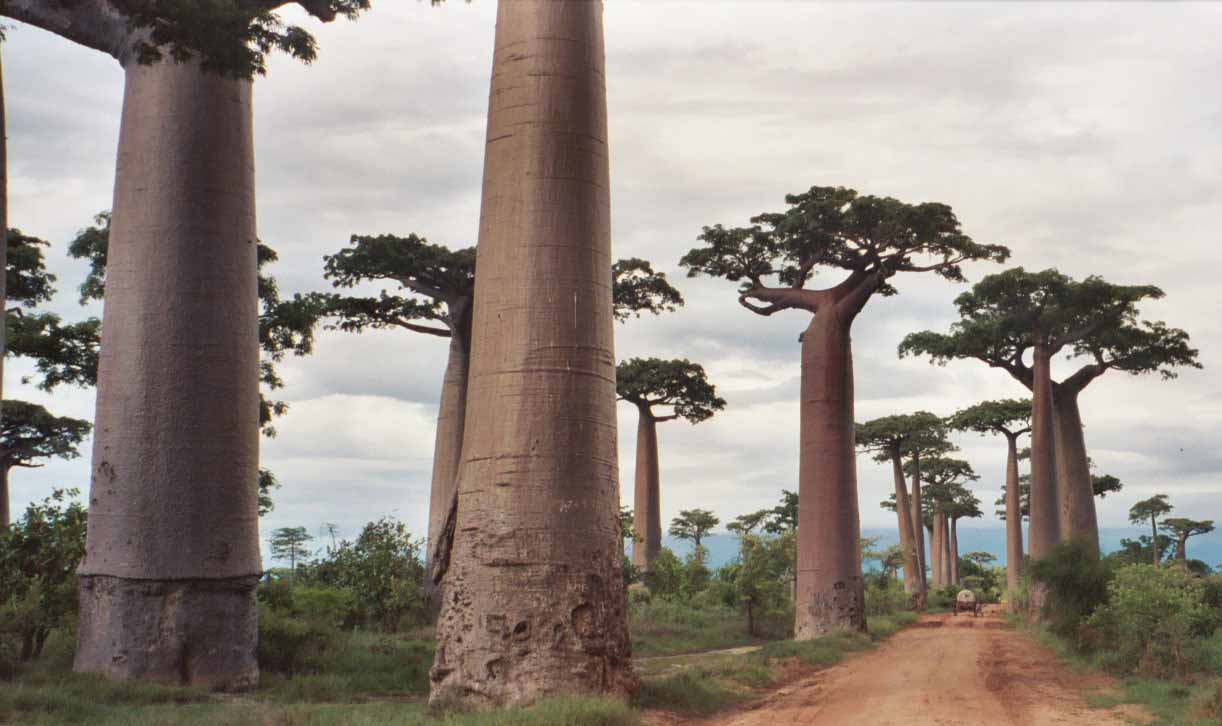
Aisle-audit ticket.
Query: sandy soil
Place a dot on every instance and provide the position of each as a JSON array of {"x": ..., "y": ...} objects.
[{"x": 943, "y": 671}]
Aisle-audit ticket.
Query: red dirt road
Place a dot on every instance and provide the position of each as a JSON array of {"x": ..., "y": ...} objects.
[{"x": 943, "y": 671}]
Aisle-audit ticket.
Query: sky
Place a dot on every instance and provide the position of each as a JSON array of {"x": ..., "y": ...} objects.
[{"x": 1083, "y": 136}]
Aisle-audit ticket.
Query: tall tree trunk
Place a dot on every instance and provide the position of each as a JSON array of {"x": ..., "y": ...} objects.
[
  {"x": 831, "y": 594},
  {"x": 1014, "y": 523},
  {"x": 5, "y": 515},
  {"x": 914, "y": 584},
  {"x": 1044, "y": 532},
  {"x": 167, "y": 586},
  {"x": 1078, "y": 520},
  {"x": 918, "y": 517},
  {"x": 447, "y": 453},
  {"x": 1154, "y": 540},
  {"x": 534, "y": 601},
  {"x": 646, "y": 501},
  {"x": 933, "y": 556},
  {"x": 1181, "y": 549},
  {"x": 954, "y": 552},
  {"x": 937, "y": 549},
  {"x": 947, "y": 568}
]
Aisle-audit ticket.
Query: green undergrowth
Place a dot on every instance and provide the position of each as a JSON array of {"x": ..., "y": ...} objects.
[
  {"x": 666, "y": 627},
  {"x": 719, "y": 681},
  {"x": 1195, "y": 702}
]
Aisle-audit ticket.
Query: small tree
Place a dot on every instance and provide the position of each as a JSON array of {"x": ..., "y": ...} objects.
[
  {"x": 1182, "y": 529},
  {"x": 760, "y": 584},
  {"x": 1150, "y": 509},
  {"x": 693, "y": 524},
  {"x": 28, "y": 432},
  {"x": 288, "y": 543},
  {"x": 680, "y": 389}
]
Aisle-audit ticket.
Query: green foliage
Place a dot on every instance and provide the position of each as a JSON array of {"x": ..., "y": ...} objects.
[
  {"x": 693, "y": 525},
  {"x": 1076, "y": 582},
  {"x": 92, "y": 244},
  {"x": 784, "y": 517},
  {"x": 902, "y": 435},
  {"x": 943, "y": 598},
  {"x": 1148, "y": 509},
  {"x": 61, "y": 352},
  {"x": 665, "y": 626},
  {"x": 761, "y": 584},
  {"x": 29, "y": 432},
  {"x": 1151, "y": 620},
  {"x": 39, "y": 555},
  {"x": 291, "y": 644},
  {"x": 1104, "y": 484},
  {"x": 384, "y": 572},
  {"x": 1009, "y": 416},
  {"x": 835, "y": 227},
  {"x": 288, "y": 543},
  {"x": 678, "y": 384},
  {"x": 637, "y": 289},
  {"x": 884, "y": 596},
  {"x": 26, "y": 278}
]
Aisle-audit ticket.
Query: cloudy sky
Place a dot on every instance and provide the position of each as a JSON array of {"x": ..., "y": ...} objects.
[{"x": 1085, "y": 137}]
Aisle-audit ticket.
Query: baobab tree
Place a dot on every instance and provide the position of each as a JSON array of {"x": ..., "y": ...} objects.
[
  {"x": 533, "y": 602},
  {"x": 1009, "y": 314},
  {"x": 872, "y": 239},
  {"x": 693, "y": 525},
  {"x": 893, "y": 438},
  {"x": 1150, "y": 509},
  {"x": 963, "y": 505},
  {"x": 434, "y": 294},
  {"x": 943, "y": 485},
  {"x": 1182, "y": 529},
  {"x": 28, "y": 432},
  {"x": 680, "y": 389},
  {"x": 172, "y": 553},
  {"x": 1011, "y": 418}
]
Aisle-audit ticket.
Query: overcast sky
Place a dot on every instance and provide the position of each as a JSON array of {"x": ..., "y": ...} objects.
[{"x": 1085, "y": 137}]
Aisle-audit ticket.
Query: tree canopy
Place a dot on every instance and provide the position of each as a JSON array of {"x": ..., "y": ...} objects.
[
  {"x": 872, "y": 238},
  {"x": 1006, "y": 314},
  {"x": 29, "y": 432},
  {"x": 228, "y": 37},
  {"x": 1149, "y": 509},
  {"x": 1010, "y": 417},
  {"x": 678, "y": 384},
  {"x": 693, "y": 524},
  {"x": 900, "y": 435}
]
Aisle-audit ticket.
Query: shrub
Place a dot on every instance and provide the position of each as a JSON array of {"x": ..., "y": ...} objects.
[
  {"x": 1150, "y": 621},
  {"x": 943, "y": 598},
  {"x": 1076, "y": 583},
  {"x": 291, "y": 645},
  {"x": 885, "y": 596}
]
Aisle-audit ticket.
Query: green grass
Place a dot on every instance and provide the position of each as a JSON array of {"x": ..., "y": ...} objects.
[
  {"x": 663, "y": 627},
  {"x": 711, "y": 684}
]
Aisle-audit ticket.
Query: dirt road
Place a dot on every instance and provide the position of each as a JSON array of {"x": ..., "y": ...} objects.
[{"x": 943, "y": 671}]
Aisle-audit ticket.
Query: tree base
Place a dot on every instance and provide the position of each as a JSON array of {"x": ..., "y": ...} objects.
[
  {"x": 190, "y": 632},
  {"x": 843, "y": 607}
]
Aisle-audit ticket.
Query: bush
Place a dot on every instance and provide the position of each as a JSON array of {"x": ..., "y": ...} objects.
[
  {"x": 943, "y": 598},
  {"x": 885, "y": 595},
  {"x": 1076, "y": 584},
  {"x": 1150, "y": 621},
  {"x": 291, "y": 645}
]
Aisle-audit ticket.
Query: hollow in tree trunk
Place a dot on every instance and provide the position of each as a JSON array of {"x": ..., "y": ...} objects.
[
  {"x": 533, "y": 596},
  {"x": 646, "y": 500},
  {"x": 447, "y": 453},
  {"x": 167, "y": 585},
  {"x": 914, "y": 584},
  {"x": 1014, "y": 523},
  {"x": 831, "y": 593},
  {"x": 1077, "y": 519}
]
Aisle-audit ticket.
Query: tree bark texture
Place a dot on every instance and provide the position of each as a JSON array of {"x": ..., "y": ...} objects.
[
  {"x": 533, "y": 598},
  {"x": 1077, "y": 510},
  {"x": 934, "y": 556},
  {"x": 447, "y": 453},
  {"x": 831, "y": 593},
  {"x": 914, "y": 584},
  {"x": 1043, "y": 532},
  {"x": 172, "y": 552},
  {"x": 646, "y": 498},
  {"x": 918, "y": 517},
  {"x": 954, "y": 552},
  {"x": 5, "y": 514},
  {"x": 1154, "y": 540},
  {"x": 1014, "y": 522}
]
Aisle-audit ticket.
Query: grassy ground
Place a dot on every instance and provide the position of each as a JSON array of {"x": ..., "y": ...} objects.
[
  {"x": 373, "y": 679},
  {"x": 717, "y": 682},
  {"x": 1174, "y": 703}
]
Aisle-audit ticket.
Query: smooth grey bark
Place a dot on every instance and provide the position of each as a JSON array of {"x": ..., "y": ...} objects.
[
  {"x": 831, "y": 591},
  {"x": 914, "y": 583},
  {"x": 172, "y": 552},
  {"x": 918, "y": 517},
  {"x": 5, "y": 514},
  {"x": 1014, "y": 521},
  {"x": 937, "y": 549},
  {"x": 1043, "y": 532},
  {"x": 1077, "y": 517},
  {"x": 447, "y": 453},
  {"x": 954, "y": 552},
  {"x": 533, "y": 595},
  {"x": 646, "y": 498}
]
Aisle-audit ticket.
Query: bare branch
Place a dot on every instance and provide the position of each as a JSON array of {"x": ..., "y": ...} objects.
[
  {"x": 427, "y": 330},
  {"x": 95, "y": 24}
]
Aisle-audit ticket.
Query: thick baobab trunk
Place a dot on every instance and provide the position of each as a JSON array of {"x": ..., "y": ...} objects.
[
  {"x": 167, "y": 586},
  {"x": 4, "y": 502},
  {"x": 1154, "y": 540},
  {"x": 1014, "y": 522},
  {"x": 533, "y": 597},
  {"x": 936, "y": 549},
  {"x": 918, "y": 518},
  {"x": 5, "y": 515},
  {"x": 1044, "y": 531},
  {"x": 831, "y": 594},
  {"x": 447, "y": 452},
  {"x": 1077, "y": 517},
  {"x": 914, "y": 584},
  {"x": 954, "y": 552},
  {"x": 646, "y": 500},
  {"x": 1181, "y": 550}
]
